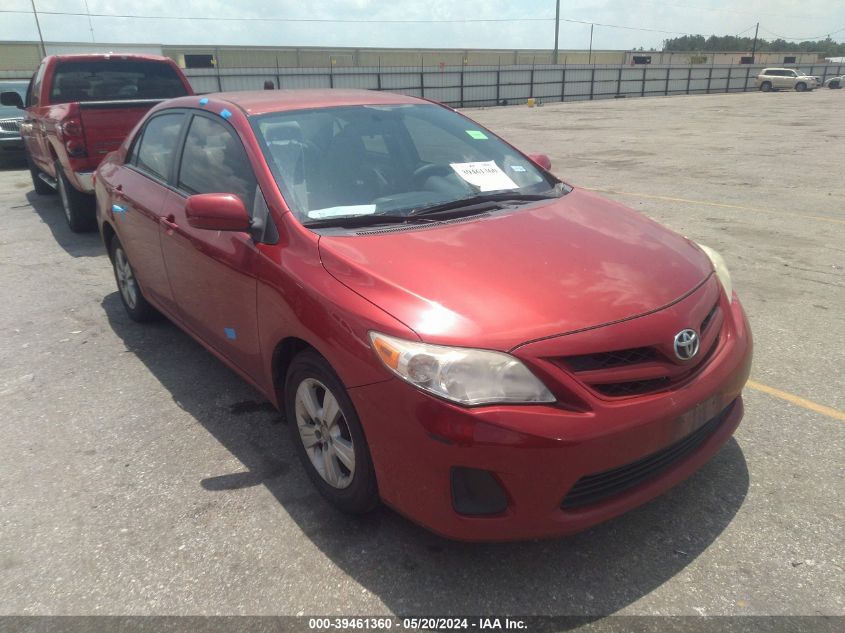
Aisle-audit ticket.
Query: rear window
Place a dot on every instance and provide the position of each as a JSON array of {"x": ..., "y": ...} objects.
[{"x": 114, "y": 80}]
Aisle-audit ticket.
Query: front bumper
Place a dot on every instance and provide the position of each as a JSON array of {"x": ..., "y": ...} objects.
[{"x": 537, "y": 453}]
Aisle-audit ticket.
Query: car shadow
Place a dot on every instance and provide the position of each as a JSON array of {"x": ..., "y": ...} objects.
[
  {"x": 411, "y": 570},
  {"x": 49, "y": 209}
]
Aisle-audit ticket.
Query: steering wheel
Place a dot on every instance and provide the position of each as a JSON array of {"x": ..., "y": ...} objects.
[{"x": 424, "y": 172}]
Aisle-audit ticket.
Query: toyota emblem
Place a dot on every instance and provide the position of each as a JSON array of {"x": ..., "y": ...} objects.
[{"x": 686, "y": 344}]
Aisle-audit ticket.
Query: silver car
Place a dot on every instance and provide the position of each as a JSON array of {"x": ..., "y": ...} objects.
[
  {"x": 835, "y": 82},
  {"x": 11, "y": 145}
]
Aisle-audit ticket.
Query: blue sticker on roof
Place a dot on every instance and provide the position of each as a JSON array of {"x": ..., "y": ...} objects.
[
  {"x": 204, "y": 101},
  {"x": 230, "y": 333},
  {"x": 225, "y": 113}
]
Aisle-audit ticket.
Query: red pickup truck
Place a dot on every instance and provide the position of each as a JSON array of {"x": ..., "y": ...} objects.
[{"x": 81, "y": 107}]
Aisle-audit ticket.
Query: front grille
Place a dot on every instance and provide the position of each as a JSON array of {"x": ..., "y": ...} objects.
[
  {"x": 641, "y": 370},
  {"x": 12, "y": 125},
  {"x": 633, "y": 387},
  {"x": 603, "y": 360},
  {"x": 708, "y": 318},
  {"x": 600, "y": 486}
]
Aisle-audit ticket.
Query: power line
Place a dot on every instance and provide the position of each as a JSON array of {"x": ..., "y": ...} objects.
[
  {"x": 804, "y": 39},
  {"x": 745, "y": 31},
  {"x": 132, "y": 16},
  {"x": 266, "y": 19},
  {"x": 342, "y": 20}
]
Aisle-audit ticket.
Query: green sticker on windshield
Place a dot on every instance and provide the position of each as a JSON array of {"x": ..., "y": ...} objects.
[{"x": 478, "y": 135}]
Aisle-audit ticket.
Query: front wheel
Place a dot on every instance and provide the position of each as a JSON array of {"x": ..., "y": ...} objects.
[
  {"x": 766, "y": 86},
  {"x": 833, "y": 85},
  {"x": 137, "y": 306},
  {"x": 328, "y": 435},
  {"x": 800, "y": 87},
  {"x": 79, "y": 207}
]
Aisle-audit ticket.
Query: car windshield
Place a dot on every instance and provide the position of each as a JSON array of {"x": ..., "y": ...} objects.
[
  {"x": 11, "y": 112},
  {"x": 115, "y": 80},
  {"x": 396, "y": 161}
]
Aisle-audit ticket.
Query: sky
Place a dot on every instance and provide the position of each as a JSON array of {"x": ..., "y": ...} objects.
[{"x": 441, "y": 23}]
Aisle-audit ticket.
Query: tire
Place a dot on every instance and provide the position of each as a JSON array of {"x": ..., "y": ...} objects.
[
  {"x": 766, "y": 86},
  {"x": 136, "y": 305},
  {"x": 79, "y": 207},
  {"x": 345, "y": 477},
  {"x": 800, "y": 87},
  {"x": 41, "y": 187},
  {"x": 833, "y": 85}
]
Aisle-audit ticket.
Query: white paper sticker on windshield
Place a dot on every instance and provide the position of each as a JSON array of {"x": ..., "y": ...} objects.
[
  {"x": 486, "y": 175},
  {"x": 336, "y": 212}
]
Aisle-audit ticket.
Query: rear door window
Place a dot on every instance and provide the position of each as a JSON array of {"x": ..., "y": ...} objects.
[
  {"x": 114, "y": 80},
  {"x": 155, "y": 150},
  {"x": 214, "y": 161}
]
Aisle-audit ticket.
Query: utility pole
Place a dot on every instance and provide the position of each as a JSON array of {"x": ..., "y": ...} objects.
[
  {"x": 557, "y": 28},
  {"x": 90, "y": 24},
  {"x": 38, "y": 26},
  {"x": 590, "y": 57},
  {"x": 754, "y": 46}
]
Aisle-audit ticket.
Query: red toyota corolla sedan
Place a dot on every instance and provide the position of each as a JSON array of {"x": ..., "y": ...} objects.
[{"x": 448, "y": 327}]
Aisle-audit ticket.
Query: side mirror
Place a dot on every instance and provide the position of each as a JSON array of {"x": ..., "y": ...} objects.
[
  {"x": 11, "y": 98},
  {"x": 542, "y": 160},
  {"x": 217, "y": 212}
]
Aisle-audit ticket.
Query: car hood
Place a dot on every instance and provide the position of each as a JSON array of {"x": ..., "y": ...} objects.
[{"x": 549, "y": 268}]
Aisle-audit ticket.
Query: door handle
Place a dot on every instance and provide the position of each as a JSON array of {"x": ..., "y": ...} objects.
[{"x": 169, "y": 222}]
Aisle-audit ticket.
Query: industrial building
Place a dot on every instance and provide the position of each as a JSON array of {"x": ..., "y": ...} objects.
[{"x": 25, "y": 56}]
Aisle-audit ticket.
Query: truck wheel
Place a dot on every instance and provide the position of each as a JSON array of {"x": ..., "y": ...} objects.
[
  {"x": 328, "y": 436},
  {"x": 137, "y": 306},
  {"x": 766, "y": 86},
  {"x": 41, "y": 187},
  {"x": 78, "y": 207},
  {"x": 800, "y": 87}
]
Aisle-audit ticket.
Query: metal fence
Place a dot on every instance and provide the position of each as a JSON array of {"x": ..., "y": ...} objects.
[{"x": 467, "y": 86}]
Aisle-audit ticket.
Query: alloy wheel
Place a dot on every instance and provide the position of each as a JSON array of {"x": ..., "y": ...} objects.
[
  {"x": 125, "y": 279},
  {"x": 325, "y": 433}
]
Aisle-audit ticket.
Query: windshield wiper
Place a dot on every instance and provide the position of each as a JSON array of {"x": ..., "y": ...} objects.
[
  {"x": 354, "y": 221},
  {"x": 476, "y": 200}
]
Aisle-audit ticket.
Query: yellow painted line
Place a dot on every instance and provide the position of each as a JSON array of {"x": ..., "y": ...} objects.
[
  {"x": 830, "y": 412},
  {"x": 715, "y": 204}
]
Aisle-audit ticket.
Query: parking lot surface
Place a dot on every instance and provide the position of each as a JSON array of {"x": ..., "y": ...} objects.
[{"x": 141, "y": 476}]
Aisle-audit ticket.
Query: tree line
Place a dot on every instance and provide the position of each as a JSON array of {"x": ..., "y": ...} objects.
[{"x": 733, "y": 43}]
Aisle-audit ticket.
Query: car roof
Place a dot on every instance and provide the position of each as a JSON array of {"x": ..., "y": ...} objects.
[{"x": 256, "y": 102}]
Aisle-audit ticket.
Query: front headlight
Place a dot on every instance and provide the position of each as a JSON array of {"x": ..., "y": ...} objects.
[
  {"x": 721, "y": 269},
  {"x": 462, "y": 375}
]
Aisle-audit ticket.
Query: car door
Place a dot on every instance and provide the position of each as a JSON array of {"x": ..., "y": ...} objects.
[
  {"x": 789, "y": 79},
  {"x": 32, "y": 128},
  {"x": 213, "y": 273},
  {"x": 137, "y": 192}
]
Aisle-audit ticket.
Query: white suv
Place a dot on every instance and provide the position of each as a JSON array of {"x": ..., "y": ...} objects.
[{"x": 784, "y": 78}]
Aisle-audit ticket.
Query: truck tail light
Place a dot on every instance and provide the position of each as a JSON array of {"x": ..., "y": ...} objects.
[
  {"x": 73, "y": 134},
  {"x": 72, "y": 128}
]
